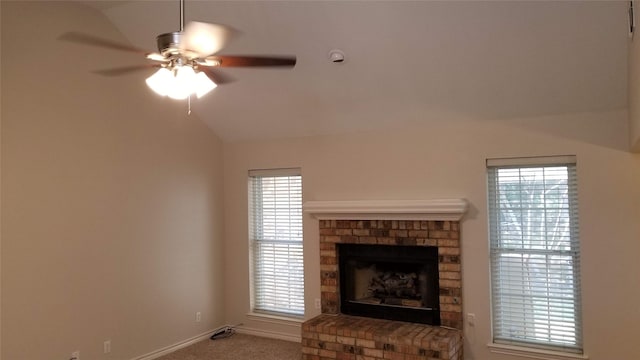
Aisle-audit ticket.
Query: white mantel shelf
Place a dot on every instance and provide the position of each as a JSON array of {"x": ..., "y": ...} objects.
[{"x": 435, "y": 210}]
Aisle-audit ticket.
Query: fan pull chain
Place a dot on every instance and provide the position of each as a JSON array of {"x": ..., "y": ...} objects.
[{"x": 189, "y": 104}]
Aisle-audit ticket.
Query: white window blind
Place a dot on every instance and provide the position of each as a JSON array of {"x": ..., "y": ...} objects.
[
  {"x": 535, "y": 256},
  {"x": 276, "y": 241}
]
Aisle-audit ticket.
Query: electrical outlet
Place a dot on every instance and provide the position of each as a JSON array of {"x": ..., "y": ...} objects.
[
  {"x": 198, "y": 316},
  {"x": 471, "y": 319},
  {"x": 318, "y": 304},
  {"x": 75, "y": 355},
  {"x": 107, "y": 346}
]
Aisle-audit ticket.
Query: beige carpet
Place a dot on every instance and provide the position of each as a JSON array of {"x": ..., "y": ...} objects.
[{"x": 239, "y": 347}]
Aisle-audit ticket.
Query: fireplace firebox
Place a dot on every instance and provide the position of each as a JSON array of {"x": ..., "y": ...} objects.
[{"x": 390, "y": 282}]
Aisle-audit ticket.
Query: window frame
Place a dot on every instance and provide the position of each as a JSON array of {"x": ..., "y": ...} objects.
[
  {"x": 514, "y": 344},
  {"x": 294, "y": 309}
]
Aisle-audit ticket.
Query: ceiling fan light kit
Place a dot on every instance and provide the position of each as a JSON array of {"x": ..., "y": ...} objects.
[
  {"x": 187, "y": 58},
  {"x": 180, "y": 82}
]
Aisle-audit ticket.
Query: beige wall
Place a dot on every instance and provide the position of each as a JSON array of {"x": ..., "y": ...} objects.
[
  {"x": 445, "y": 158},
  {"x": 634, "y": 89},
  {"x": 111, "y": 199}
]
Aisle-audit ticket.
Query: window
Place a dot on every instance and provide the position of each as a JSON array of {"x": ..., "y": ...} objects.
[
  {"x": 535, "y": 256},
  {"x": 275, "y": 206}
]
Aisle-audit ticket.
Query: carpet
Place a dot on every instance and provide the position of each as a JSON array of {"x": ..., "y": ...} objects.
[{"x": 239, "y": 347}]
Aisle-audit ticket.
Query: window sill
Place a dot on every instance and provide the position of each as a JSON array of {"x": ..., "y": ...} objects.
[
  {"x": 275, "y": 319},
  {"x": 531, "y": 353}
]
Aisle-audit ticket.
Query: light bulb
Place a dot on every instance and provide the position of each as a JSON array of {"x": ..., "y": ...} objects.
[
  {"x": 183, "y": 82},
  {"x": 160, "y": 81},
  {"x": 203, "y": 84}
]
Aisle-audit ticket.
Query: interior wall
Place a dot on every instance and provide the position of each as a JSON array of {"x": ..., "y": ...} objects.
[
  {"x": 446, "y": 159},
  {"x": 111, "y": 198}
]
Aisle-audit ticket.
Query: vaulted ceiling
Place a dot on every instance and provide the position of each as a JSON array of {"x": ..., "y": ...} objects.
[{"x": 406, "y": 62}]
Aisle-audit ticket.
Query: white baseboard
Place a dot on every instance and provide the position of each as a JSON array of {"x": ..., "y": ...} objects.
[
  {"x": 177, "y": 346},
  {"x": 269, "y": 334}
]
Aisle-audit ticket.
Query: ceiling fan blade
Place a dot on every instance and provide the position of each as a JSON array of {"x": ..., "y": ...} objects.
[
  {"x": 87, "y": 39},
  {"x": 233, "y": 61},
  {"x": 204, "y": 38},
  {"x": 125, "y": 70},
  {"x": 216, "y": 76}
]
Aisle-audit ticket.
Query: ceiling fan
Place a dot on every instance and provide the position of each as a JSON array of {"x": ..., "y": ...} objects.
[{"x": 186, "y": 59}]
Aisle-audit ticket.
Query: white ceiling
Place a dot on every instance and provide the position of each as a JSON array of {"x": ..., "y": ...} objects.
[{"x": 407, "y": 62}]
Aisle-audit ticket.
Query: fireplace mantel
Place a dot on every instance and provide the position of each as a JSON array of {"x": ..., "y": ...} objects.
[{"x": 435, "y": 210}]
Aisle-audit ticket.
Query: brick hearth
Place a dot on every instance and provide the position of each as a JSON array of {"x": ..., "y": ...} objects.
[{"x": 346, "y": 337}]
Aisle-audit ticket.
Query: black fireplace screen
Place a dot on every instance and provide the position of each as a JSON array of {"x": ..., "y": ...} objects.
[{"x": 390, "y": 282}]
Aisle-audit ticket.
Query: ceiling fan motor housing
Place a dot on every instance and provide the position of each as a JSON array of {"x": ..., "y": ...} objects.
[{"x": 169, "y": 43}]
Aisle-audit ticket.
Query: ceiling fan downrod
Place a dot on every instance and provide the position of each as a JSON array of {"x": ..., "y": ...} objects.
[{"x": 181, "y": 15}]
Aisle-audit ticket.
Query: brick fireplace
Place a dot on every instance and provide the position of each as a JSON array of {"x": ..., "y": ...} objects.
[{"x": 434, "y": 224}]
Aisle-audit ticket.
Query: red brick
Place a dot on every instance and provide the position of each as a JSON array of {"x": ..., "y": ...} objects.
[
  {"x": 345, "y": 356},
  {"x": 330, "y": 238},
  {"x": 361, "y": 232},
  {"x": 367, "y": 240},
  {"x": 327, "y": 231},
  {"x": 342, "y": 232}
]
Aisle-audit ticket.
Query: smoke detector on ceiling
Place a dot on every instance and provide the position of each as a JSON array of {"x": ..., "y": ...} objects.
[{"x": 336, "y": 56}]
